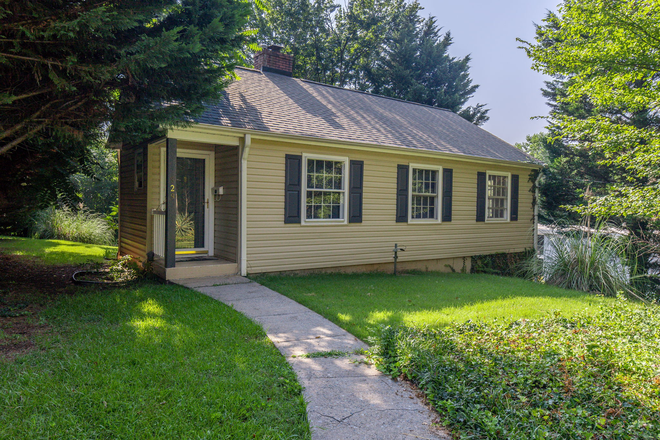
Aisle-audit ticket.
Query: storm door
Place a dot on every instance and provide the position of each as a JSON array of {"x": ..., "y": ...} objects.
[{"x": 194, "y": 206}]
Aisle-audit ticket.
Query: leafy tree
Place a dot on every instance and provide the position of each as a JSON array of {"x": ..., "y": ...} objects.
[
  {"x": 415, "y": 66},
  {"x": 381, "y": 46},
  {"x": 608, "y": 52},
  {"x": 74, "y": 73}
]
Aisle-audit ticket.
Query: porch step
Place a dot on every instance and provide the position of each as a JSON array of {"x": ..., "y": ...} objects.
[{"x": 196, "y": 269}]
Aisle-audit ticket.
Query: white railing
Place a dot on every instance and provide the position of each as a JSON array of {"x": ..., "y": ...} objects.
[{"x": 159, "y": 232}]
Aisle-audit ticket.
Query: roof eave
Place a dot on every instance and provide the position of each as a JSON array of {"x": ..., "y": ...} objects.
[{"x": 310, "y": 140}]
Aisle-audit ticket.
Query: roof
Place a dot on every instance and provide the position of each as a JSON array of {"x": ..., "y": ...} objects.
[{"x": 274, "y": 103}]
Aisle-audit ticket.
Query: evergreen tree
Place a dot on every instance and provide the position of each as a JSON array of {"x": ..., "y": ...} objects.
[
  {"x": 416, "y": 66},
  {"x": 75, "y": 72},
  {"x": 381, "y": 46}
]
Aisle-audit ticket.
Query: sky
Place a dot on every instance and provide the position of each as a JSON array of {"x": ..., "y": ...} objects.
[{"x": 487, "y": 31}]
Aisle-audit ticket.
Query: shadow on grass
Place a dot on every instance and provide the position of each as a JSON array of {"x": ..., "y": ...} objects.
[
  {"x": 151, "y": 361},
  {"x": 362, "y": 302}
]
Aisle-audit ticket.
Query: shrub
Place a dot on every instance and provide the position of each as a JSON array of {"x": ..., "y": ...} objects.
[
  {"x": 81, "y": 226},
  {"x": 586, "y": 377},
  {"x": 505, "y": 264},
  {"x": 591, "y": 262}
]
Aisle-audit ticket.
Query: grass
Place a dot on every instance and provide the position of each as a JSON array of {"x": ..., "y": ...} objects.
[
  {"x": 361, "y": 303},
  {"x": 57, "y": 252},
  {"x": 81, "y": 226},
  {"x": 150, "y": 362}
]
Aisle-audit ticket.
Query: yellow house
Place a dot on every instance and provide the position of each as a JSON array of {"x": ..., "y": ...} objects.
[{"x": 284, "y": 174}]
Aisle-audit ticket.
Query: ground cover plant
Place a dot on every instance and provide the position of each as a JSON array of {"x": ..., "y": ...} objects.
[
  {"x": 361, "y": 303},
  {"x": 56, "y": 251},
  {"x": 590, "y": 376}
]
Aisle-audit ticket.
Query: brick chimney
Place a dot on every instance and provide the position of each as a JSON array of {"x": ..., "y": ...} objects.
[{"x": 271, "y": 59}]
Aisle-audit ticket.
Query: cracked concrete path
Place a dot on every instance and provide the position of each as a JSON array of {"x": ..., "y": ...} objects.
[{"x": 346, "y": 398}]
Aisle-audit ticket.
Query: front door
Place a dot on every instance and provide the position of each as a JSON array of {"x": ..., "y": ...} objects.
[{"x": 194, "y": 220}]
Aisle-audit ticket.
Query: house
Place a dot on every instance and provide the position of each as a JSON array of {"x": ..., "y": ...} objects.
[{"x": 284, "y": 174}]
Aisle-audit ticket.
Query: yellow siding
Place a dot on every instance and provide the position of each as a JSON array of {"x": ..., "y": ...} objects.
[
  {"x": 226, "y": 208},
  {"x": 275, "y": 246},
  {"x": 132, "y": 201}
]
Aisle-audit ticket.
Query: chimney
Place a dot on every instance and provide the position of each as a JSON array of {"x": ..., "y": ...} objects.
[{"x": 271, "y": 59}]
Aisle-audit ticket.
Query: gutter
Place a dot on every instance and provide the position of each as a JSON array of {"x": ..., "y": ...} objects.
[
  {"x": 210, "y": 129},
  {"x": 246, "y": 143}
]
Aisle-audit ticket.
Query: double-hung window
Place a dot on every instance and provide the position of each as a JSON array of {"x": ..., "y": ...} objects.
[
  {"x": 424, "y": 193},
  {"x": 498, "y": 196},
  {"x": 325, "y": 189}
]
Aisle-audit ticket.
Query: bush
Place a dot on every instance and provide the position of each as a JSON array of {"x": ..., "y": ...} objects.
[
  {"x": 591, "y": 262},
  {"x": 81, "y": 226},
  {"x": 505, "y": 264},
  {"x": 586, "y": 377}
]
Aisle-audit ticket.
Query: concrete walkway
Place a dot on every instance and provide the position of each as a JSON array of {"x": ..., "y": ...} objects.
[{"x": 346, "y": 399}]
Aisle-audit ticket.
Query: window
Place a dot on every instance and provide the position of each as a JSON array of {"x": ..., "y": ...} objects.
[
  {"x": 497, "y": 200},
  {"x": 139, "y": 168},
  {"x": 424, "y": 191},
  {"x": 325, "y": 189}
]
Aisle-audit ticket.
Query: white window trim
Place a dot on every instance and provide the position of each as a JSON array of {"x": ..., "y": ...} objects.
[
  {"x": 303, "y": 197},
  {"x": 438, "y": 196},
  {"x": 508, "y": 197},
  {"x": 208, "y": 184}
]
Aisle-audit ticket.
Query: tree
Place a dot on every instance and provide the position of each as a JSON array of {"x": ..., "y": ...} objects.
[
  {"x": 608, "y": 52},
  {"x": 380, "y": 46},
  {"x": 74, "y": 73},
  {"x": 415, "y": 66}
]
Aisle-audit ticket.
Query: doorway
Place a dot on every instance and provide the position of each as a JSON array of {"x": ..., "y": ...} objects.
[{"x": 194, "y": 204}]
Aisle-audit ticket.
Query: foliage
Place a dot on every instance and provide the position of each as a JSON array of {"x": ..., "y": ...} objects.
[
  {"x": 505, "y": 264},
  {"x": 586, "y": 377},
  {"x": 185, "y": 229},
  {"x": 606, "y": 51},
  {"x": 144, "y": 66},
  {"x": 129, "y": 268},
  {"x": 572, "y": 176},
  {"x": 380, "y": 46},
  {"x": 596, "y": 261},
  {"x": 99, "y": 191},
  {"x": 360, "y": 303},
  {"x": 150, "y": 361},
  {"x": 56, "y": 251},
  {"x": 65, "y": 224}
]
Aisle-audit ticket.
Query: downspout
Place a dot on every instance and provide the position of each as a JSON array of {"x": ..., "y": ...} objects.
[
  {"x": 245, "y": 152},
  {"x": 536, "y": 214}
]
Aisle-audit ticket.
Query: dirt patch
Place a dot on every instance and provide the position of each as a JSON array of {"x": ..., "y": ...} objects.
[{"x": 26, "y": 288}]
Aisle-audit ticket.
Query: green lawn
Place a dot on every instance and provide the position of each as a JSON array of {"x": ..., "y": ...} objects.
[
  {"x": 56, "y": 251},
  {"x": 150, "y": 362},
  {"x": 146, "y": 361},
  {"x": 360, "y": 303}
]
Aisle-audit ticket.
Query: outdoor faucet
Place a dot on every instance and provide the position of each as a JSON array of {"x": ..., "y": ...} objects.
[{"x": 396, "y": 251}]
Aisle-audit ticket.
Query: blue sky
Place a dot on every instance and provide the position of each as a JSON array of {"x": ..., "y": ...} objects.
[{"x": 487, "y": 30}]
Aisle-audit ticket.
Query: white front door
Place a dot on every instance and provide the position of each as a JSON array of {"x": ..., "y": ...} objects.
[{"x": 194, "y": 204}]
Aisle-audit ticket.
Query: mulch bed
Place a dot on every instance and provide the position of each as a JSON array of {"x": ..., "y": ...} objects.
[{"x": 26, "y": 288}]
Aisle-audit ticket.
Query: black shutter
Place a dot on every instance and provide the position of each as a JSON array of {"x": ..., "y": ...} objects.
[
  {"x": 356, "y": 175},
  {"x": 515, "y": 184},
  {"x": 292, "y": 188},
  {"x": 481, "y": 196},
  {"x": 447, "y": 189},
  {"x": 402, "y": 193}
]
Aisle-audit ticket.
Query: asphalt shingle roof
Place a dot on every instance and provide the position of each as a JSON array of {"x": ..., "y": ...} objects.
[{"x": 279, "y": 104}]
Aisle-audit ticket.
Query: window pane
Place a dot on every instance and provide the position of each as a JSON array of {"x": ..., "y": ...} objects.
[{"x": 498, "y": 193}]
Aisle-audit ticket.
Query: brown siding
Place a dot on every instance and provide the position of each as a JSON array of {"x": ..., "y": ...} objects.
[
  {"x": 226, "y": 208},
  {"x": 132, "y": 206},
  {"x": 275, "y": 246}
]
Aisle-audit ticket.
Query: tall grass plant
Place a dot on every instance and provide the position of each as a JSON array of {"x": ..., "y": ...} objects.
[
  {"x": 82, "y": 226},
  {"x": 596, "y": 261}
]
